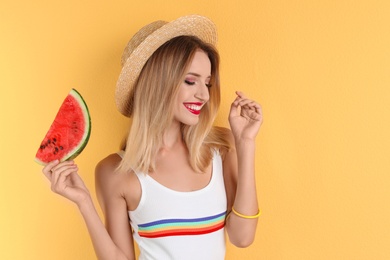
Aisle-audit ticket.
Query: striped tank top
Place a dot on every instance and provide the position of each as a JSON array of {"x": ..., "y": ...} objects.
[{"x": 170, "y": 225}]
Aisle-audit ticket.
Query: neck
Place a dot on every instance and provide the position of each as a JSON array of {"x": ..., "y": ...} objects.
[{"x": 172, "y": 137}]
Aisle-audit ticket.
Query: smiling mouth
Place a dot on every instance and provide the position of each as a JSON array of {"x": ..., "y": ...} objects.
[{"x": 194, "y": 108}]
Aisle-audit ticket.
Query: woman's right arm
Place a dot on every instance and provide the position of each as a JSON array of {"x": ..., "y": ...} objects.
[
  {"x": 112, "y": 191},
  {"x": 66, "y": 182}
]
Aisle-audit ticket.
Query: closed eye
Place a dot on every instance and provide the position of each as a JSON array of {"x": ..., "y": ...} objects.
[
  {"x": 193, "y": 83},
  {"x": 189, "y": 82}
]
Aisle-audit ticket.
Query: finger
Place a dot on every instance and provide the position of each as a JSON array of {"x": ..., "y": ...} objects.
[
  {"x": 259, "y": 109},
  {"x": 246, "y": 103},
  {"x": 60, "y": 179},
  {"x": 65, "y": 174},
  {"x": 249, "y": 102},
  {"x": 63, "y": 167},
  {"x": 48, "y": 168},
  {"x": 236, "y": 101},
  {"x": 253, "y": 110},
  {"x": 234, "y": 108},
  {"x": 62, "y": 164},
  {"x": 253, "y": 106},
  {"x": 240, "y": 94}
]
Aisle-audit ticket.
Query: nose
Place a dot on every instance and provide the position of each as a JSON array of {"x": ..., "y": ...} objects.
[{"x": 202, "y": 93}]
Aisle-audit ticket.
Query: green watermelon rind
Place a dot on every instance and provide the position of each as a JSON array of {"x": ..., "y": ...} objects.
[{"x": 84, "y": 140}]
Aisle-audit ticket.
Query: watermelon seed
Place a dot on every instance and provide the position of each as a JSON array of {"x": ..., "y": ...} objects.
[
  {"x": 61, "y": 148},
  {"x": 49, "y": 141},
  {"x": 54, "y": 140},
  {"x": 56, "y": 148}
]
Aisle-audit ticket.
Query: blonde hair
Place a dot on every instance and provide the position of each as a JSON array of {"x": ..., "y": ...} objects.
[{"x": 159, "y": 80}]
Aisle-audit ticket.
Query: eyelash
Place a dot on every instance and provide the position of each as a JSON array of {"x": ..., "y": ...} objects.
[{"x": 192, "y": 83}]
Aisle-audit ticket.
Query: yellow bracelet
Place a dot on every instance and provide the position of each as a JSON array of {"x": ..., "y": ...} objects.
[{"x": 245, "y": 216}]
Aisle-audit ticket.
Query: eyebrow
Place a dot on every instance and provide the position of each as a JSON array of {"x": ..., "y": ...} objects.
[{"x": 196, "y": 74}]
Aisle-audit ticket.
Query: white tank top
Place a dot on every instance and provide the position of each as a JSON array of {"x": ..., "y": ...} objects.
[{"x": 173, "y": 225}]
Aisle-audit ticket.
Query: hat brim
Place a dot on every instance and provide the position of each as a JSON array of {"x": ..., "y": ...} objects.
[{"x": 192, "y": 25}]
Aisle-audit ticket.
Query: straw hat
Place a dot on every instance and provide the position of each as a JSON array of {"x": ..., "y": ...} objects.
[{"x": 146, "y": 41}]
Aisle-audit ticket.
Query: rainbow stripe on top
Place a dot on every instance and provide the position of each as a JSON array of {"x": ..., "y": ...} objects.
[{"x": 181, "y": 227}]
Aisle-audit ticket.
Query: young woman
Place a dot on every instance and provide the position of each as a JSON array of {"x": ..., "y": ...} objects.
[{"x": 173, "y": 187}]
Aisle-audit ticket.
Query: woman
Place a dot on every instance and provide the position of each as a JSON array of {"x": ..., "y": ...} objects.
[{"x": 179, "y": 177}]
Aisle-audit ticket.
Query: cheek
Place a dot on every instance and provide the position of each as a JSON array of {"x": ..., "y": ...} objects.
[
  {"x": 182, "y": 95},
  {"x": 179, "y": 99}
]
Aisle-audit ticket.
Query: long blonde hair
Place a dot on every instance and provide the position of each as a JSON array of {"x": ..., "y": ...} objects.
[{"x": 154, "y": 94}]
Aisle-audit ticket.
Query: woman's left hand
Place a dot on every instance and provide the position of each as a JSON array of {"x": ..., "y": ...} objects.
[{"x": 245, "y": 118}]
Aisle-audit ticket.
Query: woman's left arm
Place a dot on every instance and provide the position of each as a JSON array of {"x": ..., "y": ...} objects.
[{"x": 245, "y": 119}]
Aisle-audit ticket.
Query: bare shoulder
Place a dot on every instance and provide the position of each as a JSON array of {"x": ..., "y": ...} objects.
[
  {"x": 108, "y": 164},
  {"x": 105, "y": 171},
  {"x": 111, "y": 184}
]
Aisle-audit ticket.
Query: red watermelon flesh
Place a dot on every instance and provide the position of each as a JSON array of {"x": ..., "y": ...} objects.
[{"x": 69, "y": 133}]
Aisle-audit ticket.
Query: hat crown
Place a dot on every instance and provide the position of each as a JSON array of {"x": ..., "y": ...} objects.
[{"x": 139, "y": 37}]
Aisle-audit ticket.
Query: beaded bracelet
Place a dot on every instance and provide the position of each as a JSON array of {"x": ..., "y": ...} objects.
[{"x": 245, "y": 216}]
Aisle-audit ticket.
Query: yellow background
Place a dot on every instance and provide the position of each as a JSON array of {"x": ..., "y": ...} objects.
[{"x": 321, "y": 70}]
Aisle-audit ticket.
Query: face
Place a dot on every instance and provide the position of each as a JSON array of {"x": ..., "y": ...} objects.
[{"x": 194, "y": 90}]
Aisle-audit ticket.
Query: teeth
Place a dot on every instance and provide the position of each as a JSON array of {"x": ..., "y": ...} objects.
[{"x": 194, "y": 107}]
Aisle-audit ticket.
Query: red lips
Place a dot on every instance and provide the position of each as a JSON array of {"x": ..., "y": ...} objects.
[{"x": 194, "y": 107}]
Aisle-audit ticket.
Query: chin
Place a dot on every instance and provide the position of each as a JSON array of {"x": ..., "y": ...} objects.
[{"x": 190, "y": 122}]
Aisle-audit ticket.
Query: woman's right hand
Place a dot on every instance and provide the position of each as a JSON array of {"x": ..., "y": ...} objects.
[{"x": 65, "y": 181}]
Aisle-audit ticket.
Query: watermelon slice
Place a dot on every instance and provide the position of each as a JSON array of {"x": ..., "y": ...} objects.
[{"x": 69, "y": 133}]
